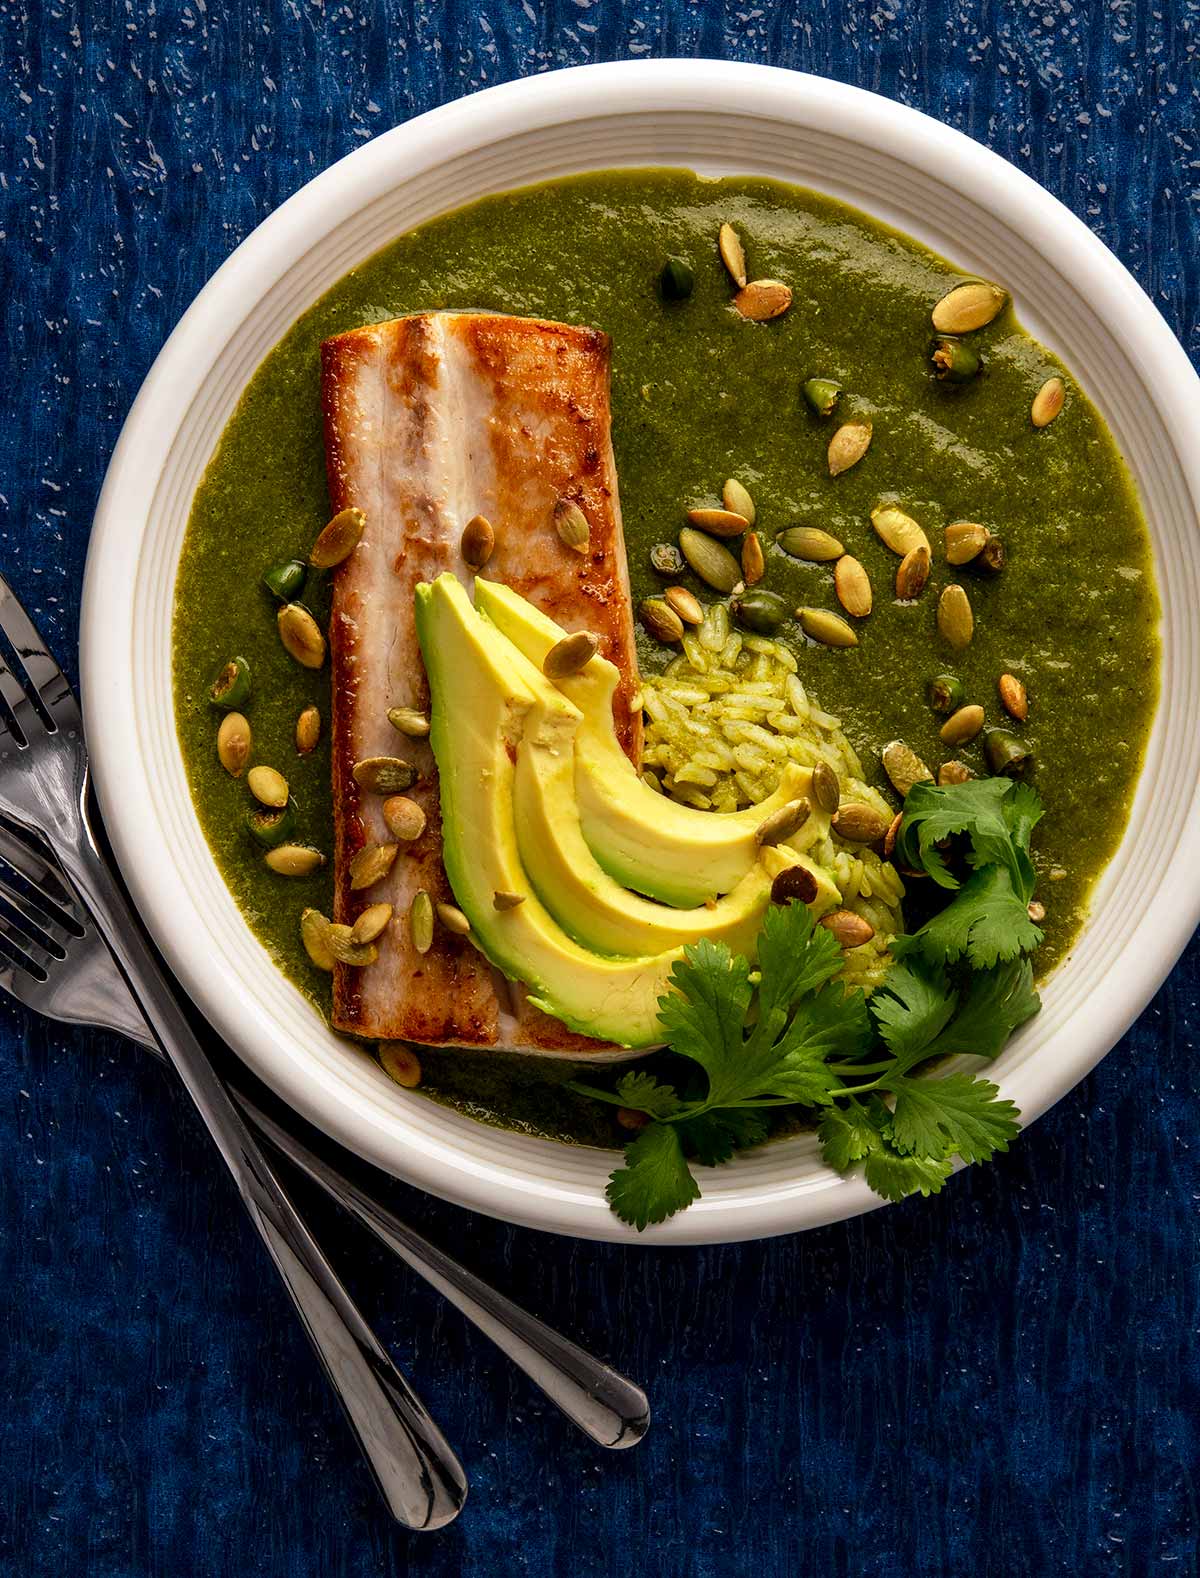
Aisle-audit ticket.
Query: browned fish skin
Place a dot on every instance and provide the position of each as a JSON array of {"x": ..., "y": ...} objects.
[{"x": 430, "y": 420}]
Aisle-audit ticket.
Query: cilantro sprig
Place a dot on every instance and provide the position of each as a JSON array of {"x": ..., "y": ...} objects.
[{"x": 789, "y": 1035}]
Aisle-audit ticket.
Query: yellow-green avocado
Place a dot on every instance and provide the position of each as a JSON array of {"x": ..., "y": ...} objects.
[
  {"x": 480, "y": 707},
  {"x": 669, "y": 851}
]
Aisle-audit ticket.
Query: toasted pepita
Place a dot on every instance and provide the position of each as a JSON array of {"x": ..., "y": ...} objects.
[
  {"x": 828, "y": 628},
  {"x": 572, "y": 653},
  {"x": 710, "y": 560},
  {"x": 825, "y": 789},
  {"x": 384, "y": 774},
  {"x": 572, "y": 527},
  {"x": 1048, "y": 402},
  {"x": 890, "y": 837},
  {"x": 400, "y": 1063},
  {"x": 964, "y": 540},
  {"x": 859, "y": 823},
  {"x": 233, "y": 743},
  {"x": 781, "y": 824},
  {"x": 811, "y": 544},
  {"x": 478, "y": 541},
  {"x": 851, "y": 930},
  {"x": 409, "y": 721},
  {"x": 733, "y": 254},
  {"x": 853, "y": 586},
  {"x": 308, "y": 730},
  {"x": 962, "y": 726},
  {"x": 371, "y": 864},
  {"x": 420, "y": 921},
  {"x": 453, "y": 919},
  {"x": 294, "y": 860},
  {"x": 1013, "y": 697},
  {"x": 301, "y": 635},
  {"x": 971, "y": 305},
  {"x": 686, "y": 604},
  {"x": 898, "y": 531},
  {"x": 954, "y": 617},
  {"x": 502, "y": 899},
  {"x": 346, "y": 951},
  {"x": 754, "y": 564},
  {"x": 953, "y": 773},
  {"x": 763, "y": 299},
  {"x": 904, "y": 767},
  {"x": 912, "y": 573},
  {"x": 314, "y": 934},
  {"x": 736, "y": 497},
  {"x": 848, "y": 446},
  {"x": 718, "y": 523},
  {"x": 268, "y": 787},
  {"x": 794, "y": 882},
  {"x": 660, "y": 620},
  {"x": 338, "y": 540},
  {"x": 403, "y": 818},
  {"x": 370, "y": 924}
]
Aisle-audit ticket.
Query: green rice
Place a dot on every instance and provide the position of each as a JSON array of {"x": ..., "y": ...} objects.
[{"x": 721, "y": 724}]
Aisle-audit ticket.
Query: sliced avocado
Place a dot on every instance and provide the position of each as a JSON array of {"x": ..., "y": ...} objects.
[
  {"x": 645, "y": 841},
  {"x": 480, "y": 706}
]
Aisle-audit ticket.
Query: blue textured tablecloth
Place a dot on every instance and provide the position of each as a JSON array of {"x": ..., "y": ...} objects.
[{"x": 1001, "y": 1380}]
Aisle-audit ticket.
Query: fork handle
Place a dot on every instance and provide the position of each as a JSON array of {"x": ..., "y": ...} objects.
[{"x": 421, "y": 1479}]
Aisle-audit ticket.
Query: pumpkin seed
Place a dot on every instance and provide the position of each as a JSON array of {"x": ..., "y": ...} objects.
[
  {"x": 308, "y": 730},
  {"x": 853, "y": 586},
  {"x": 294, "y": 860},
  {"x": 231, "y": 688},
  {"x": 991, "y": 557},
  {"x": 953, "y": 361},
  {"x": 384, "y": 774},
  {"x": 233, "y": 743},
  {"x": 848, "y": 446},
  {"x": 953, "y": 773},
  {"x": 830, "y": 629},
  {"x": 733, "y": 254},
  {"x": 718, "y": 523},
  {"x": 661, "y": 620},
  {"x": 370, "y": 924},
  {"x": 763, "y": 299},
  {"x": 898, "y": 531},
  {"x": 821, "y": 395},
  {"x": 754, "y": 564},
  {"x": 271, "y": 825},
  {"x": 912, "y": 574},
  {"x": 1013, "y": 697},
  {"x": 453, "y": 919},
  {"x": 314, "y": 934},
  {"x": 964, "y": 540},
  {"x": 825, "y": 789},
  {"x": 478, "y": 541},
  {"x": 666, "y": 559},
  {"x": 346, "y": 951},
  {"x": 572, "y": 527},
  {"x": 301, "y": 635},
  {"x": 1048, "y": 402},
  {"x": 736, "y": 498},
  {"x": 954, "y": 617},
  {"x": 851, "y": 930},
  {"x": 811, "y": 544},
  {"x": 420, "y": 921},
  {"x": 794, "y": 882},
  {"x": 502, "y": 899},
  {"x": 1037, "y": 912},
  {"x": 971, "y": 305},
  {"x": 962, "y": 725},
  {"x": 890, "y": 837},
  {"x": 404, "y": 819},
  {"x": 338, "y": 540},
  {"x": 571, "y": 654},
  {"x": 781, "y": 824},
  {"x": 409, "y": 721},
  {"x": 686, "y": 604},
  {"x": 710, "y": 560},
  {"x": 400, "y": 1063},
  {"x": 371, "y": 864},
  {"x": 904, "y": 767},
  {"x": 268, "y": 787},
  {"x": 860, "y": 824}
]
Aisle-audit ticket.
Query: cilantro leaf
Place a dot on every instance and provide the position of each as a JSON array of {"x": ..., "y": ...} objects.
[
  {"x": 957, "y": 1115},
  {"x": 895, "y": 1176},
  {"x": 986, "y": 921},
  {"x": 704, "y": 1017},
  {"x": 935, "y": 812},
  {"x": 993, "y": 1005},
  {"x": 644, "y": 1093},
  {"x": 848, "y": 1133},
  {"x": 655, "y": 1182},
  {"x": 712, "y": 1137},
  {"x": 912, "y": 1008},
  {"x": 795, "y": 957}
]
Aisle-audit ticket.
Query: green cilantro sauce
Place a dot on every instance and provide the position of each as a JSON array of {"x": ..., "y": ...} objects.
[{"x": 699, "y": 395}]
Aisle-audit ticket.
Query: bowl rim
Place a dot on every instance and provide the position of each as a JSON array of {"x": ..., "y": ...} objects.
[{"x": 464, "y": 126}]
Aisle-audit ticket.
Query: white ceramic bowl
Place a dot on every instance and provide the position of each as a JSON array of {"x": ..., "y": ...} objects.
[{"x": 717, "y": 119}]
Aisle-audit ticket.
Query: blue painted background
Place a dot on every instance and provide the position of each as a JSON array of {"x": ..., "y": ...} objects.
[{"x": 1003, "y": 1380}]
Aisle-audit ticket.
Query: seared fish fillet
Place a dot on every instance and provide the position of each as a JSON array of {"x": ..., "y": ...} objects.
[{"x": 429, "y": 421}]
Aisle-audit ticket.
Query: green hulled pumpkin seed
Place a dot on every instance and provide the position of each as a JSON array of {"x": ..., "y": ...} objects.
[
  {"x": 954, "y": 361},
  {"x": 718, "y": 523},
  {"x": 384, "y": 774},
  {"x": 825, "y": 789},
  {"x": 710, "y": 560},
  {"x": 571, "y": 654},
  {"x": 403, "y": 818},
  {"x": 848, "y": 446},
  {"x": 572, "y": 527},
  {"x": 661, "y": 621},
  {"x": 898, "y": 531},
  {"x": 686, "y": 604},
  {"x": 904, "y": 767},
  {"x": 308, "y": 730},
  {"x": 338, "y": 540},
  {"x": 853, "y": 586},
  {"x": 677, "y": 280},
  {"x": 371, "y": 864},
  {"x": 301, "y": 635},
  {"x": 453, "y": 919},
  {"x": 954, "y": 617},
  {"x": 819, "y": 624},
  {"x": 233, "y": 743},
  {"x": 964, "y": 540},
  {"x": 420, "y": 921},
  {"x": 962, "y": 726},
  {"x": 759, "y": 610},
  {"x": 1007, "y": 754},
  {"x": 781, "y": 824},
  {"x": 409, "y": 721},
  {"x": 268, "y": 786},
  {"x": 294, "y": 860},
  {"x": 314, "y": 934},
  {"x": 346, "y": 951},
  {"x": 1048, "y": 402},
  {"x": 945, "y": 693},
  {"x": 286, "y": 579},
  {"x": 737, "y": 499},
  {"x": 858, "y": 823},
  {"x": 821, "y": 395},
  {"x": 370, "y": 924},
  {"x": 971, "y": 305},
  {"x": 400, "y": 1063},
  {"x": 811, "y": 544}
]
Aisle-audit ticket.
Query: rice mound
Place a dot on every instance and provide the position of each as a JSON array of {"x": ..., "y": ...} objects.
[{"x": 722, "y": 721}]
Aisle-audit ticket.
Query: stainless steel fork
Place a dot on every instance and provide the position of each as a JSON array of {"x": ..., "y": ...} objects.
[
  {"x": 52, "y": 961},
  {"x": 44, "y": 788}
]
